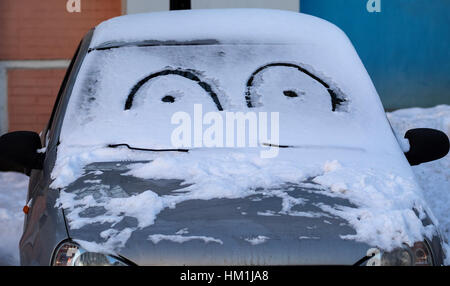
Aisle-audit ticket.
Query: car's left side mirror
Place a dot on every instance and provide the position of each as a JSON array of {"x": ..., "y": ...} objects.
[
  {"x": 19, "y": 152},
  {"x": 426, "y": 145}
]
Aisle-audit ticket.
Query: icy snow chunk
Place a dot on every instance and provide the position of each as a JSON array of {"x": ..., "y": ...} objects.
[
  {"x": 268, "y": 213},
  {"x": 309, "y": 237},
  {"x": 156, "y": 238},
  {"x": 257, "y": 240},
  {"x": 331, "y": 166},
  {"x": 182, "y": 231}
]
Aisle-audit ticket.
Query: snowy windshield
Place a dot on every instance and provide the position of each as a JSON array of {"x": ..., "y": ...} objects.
[{"x": 130, "y": 94}]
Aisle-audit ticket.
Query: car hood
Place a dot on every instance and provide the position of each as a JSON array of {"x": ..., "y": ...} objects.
[{"x": 252, "y": 230}]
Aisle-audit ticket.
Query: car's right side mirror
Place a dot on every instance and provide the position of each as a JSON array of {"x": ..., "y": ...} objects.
[{"x": 426, "y": 145}]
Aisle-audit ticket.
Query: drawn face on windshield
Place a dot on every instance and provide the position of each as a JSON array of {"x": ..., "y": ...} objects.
[
  {"x": 130, "y": 94},
  {"x": 270, "y": 85}
]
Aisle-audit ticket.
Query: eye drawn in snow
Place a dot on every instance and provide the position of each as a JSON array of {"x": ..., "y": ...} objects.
[
  {"x": 172, "y": 96},
  {"x": 253, "y": 98},
  {"x": 257, "y": 240},
  {"x": 185, "y": 73},
  {"x": 293, "y": 93},
  {"x": 156, "y": 238}
]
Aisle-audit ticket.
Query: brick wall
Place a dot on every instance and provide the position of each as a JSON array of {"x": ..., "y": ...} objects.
[
  {"x": 31, "y": 95},
  {"x": 42, "y": 31},
  {"x": 31, "y": 29}
]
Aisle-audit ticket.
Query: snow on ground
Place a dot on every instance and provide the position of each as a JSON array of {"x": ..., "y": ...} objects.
[
  {"x": 13, "y": 192},
  {"x": 434, "y": 177}
]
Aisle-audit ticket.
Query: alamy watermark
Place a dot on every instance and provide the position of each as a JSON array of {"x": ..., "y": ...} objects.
[
  {"x": 73, "y": 6},
  {"x": 373, "y": 6},
  {"x": 227, "y": 129}
]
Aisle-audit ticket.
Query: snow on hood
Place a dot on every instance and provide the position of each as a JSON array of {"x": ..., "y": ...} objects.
[
  {"x": 388, "y": 203},
  {"x": 349, "y": 151}
]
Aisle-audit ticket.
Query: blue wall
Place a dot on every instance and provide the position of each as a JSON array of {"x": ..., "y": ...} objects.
[{"x": 405, "y": 48}]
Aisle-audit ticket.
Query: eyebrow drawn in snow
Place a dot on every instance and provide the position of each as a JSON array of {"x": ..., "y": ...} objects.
[
  {"x": 186, "y": 73},
  {"x": 337, "y": 98}
]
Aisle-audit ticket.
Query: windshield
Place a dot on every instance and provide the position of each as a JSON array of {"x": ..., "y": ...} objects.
[{"x": 133, "y": 94}]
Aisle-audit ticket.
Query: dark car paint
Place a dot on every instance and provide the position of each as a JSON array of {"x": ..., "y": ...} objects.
[
  {"x": 44, "y": 225},
  {"x": 221, "y": 219}
]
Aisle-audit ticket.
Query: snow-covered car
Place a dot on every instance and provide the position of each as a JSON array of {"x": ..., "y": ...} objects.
[{"x": 222, "y": 137}]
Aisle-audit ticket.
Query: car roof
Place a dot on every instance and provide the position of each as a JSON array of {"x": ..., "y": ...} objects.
[{"x": 223, "y": 25}]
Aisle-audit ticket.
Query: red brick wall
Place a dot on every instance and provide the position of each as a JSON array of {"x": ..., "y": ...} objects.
[
  {"x": 32, "y": 29},
  {"x": 31, "y": 95},
  {"x": 42, "y": 30}
]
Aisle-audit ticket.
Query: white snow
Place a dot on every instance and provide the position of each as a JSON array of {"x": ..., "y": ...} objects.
[
  {"x": 257, "y": 240},
  {"x": 308, "y": 237},
  {"x": 230, "y": 25},
  {"x": 13, "y": 194},
  {"x": 155, "y": 238}
]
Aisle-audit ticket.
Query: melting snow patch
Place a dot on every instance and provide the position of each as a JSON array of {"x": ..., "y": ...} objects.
[
  {"x": 257, "y": 240},
  {"x": 182, "y": 231},
  {"x": 92, "y": 181},
  {"x": 268, "y": 213},
  {"x": 330, "y": 166},
  {"x": 156, "y": 238},
  {"x": 309, "y": 237}
]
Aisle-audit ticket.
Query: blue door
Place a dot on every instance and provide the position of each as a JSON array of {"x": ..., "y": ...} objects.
[{"x": 405, "y": 46}]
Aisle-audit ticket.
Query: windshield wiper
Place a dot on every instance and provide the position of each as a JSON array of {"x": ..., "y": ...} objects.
[
  {"x": 364, "y": 259},
  {"x": 276, "y": 145},
  {"x": 146, "y": 149}
]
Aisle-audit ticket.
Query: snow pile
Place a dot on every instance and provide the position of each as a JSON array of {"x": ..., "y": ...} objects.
[
  {"x": 257, "y": 240},
  {"x": 13, "y": 193},
  {"x": 433, "y": 177},
  {"x": 385, "y": 199},
  {"x": 155, "y": 238}
]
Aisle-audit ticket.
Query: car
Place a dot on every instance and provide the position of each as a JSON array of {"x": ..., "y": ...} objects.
[{"x": 222, "y": 137}]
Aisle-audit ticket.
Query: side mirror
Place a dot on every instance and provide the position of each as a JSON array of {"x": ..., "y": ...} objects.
[
  {"x": 18, "y": 152},
  {"x": 426, "y": 145}
]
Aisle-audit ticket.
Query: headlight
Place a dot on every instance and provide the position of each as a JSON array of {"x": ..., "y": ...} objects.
[
  {"x": 71, "y": 254},
  {"x": 418, "y": 255}
]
